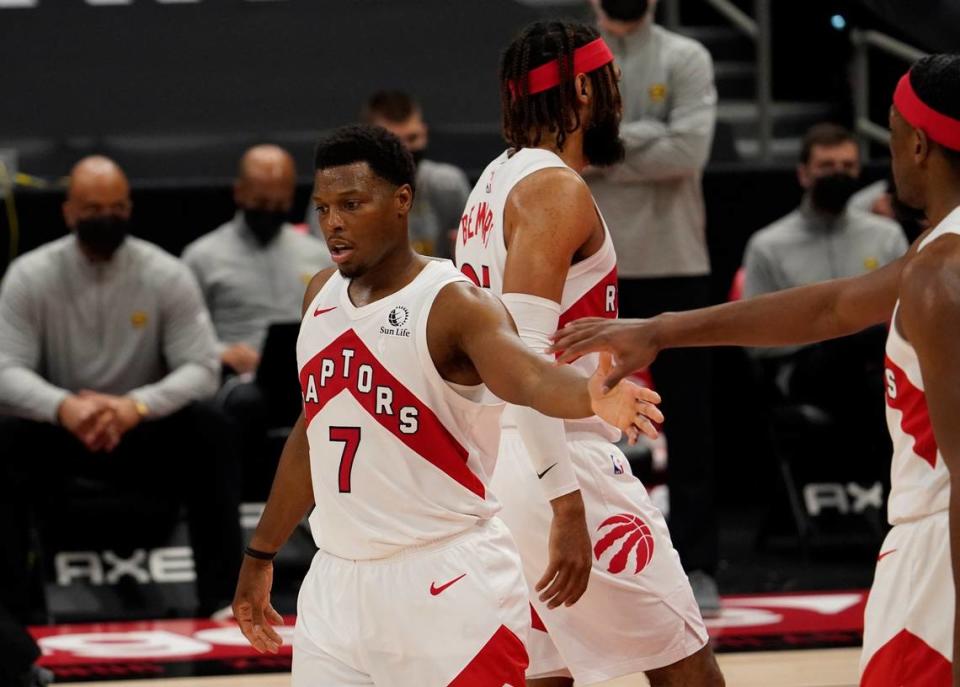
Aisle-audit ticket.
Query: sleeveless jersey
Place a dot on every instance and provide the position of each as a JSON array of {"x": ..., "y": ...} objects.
[
  {"x": 398, "y": 458},
  {"x": 481, "y": 254},
  {"x": 919, "y": 480}
]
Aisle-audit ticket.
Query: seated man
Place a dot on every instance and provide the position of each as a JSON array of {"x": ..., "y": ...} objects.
[
  {"x": 252, "y": 272},
  {"x": 253, "y": 269},
  {"x": 442, "y": 189},
  {"x": 827, "y": 238},
  {"x": 105, "y": 349}
]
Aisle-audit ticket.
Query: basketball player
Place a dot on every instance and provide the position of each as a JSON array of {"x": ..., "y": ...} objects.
[
  {"x": 532, "y": 234},
  {"x": 416, "y": 582},
  {"x": 909, "y": 635}
]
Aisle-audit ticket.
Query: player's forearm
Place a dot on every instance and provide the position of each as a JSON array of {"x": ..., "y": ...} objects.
[
  {"x": 557, "y": 391},
  {"x": 796, "y": 316},
  {"x": 291, "y": 495}
]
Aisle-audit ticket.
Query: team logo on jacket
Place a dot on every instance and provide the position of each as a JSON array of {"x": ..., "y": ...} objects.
[
  {"x": 397, "y": 318},
  {"x": 139, "y": 319},
  {"x": 626, "y": 538}
]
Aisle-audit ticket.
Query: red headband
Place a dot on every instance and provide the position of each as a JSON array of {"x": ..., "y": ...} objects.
[
  {"x": 586, "y": 58},
  {"x": 939, "y": 127}
]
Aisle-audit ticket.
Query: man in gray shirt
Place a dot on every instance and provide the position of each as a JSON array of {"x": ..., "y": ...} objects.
[
  {"x": 252, "y": 272},
  {"x": 653, "y": 203},
  {"x": 442, "y": 188},
  {"x": 827, "y": 238},
  {"x": 254, "y": 269},
  {"x": 105, "y": 349}
]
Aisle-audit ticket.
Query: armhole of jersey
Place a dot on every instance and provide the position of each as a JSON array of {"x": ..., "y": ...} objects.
[
  {"x": 323, "y": 292},
  {"x": 426, "y": 361}
]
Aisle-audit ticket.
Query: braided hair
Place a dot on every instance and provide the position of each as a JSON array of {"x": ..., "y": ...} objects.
[{"x": 527, "y": 117}]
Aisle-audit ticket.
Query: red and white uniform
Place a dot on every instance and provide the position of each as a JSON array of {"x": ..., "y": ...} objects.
[
  {"x": 908, "y": 628},
  {"x": 638, "y": 612},
  {"x": 404, "y": 519}
]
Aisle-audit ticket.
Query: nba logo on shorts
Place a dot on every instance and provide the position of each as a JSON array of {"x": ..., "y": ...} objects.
[
  {"x": 617, "y": 467},
  {"x": 626, "y": 537}
]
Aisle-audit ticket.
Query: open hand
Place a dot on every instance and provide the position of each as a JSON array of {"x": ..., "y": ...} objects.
[
  {"x": 252, "y": 608},
  {"x": 632, "y": 343},
  {"x": 629, "y": 407},
  {"x": 571, "y": 555}
]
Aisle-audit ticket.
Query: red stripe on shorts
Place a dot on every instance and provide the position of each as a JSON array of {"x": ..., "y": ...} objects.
[
  {"x": 502, "y": 661},
  {"x": 907, "y": 661}
]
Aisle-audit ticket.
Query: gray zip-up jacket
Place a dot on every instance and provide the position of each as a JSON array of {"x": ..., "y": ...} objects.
[
  {"x": 653, "y": 201},
  {"x": 134, "y": 326}
]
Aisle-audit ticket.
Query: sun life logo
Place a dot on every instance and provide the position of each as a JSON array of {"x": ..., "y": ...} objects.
[
  {"x": 624, "y": 535},
  {"x": 398, "y": 316}
]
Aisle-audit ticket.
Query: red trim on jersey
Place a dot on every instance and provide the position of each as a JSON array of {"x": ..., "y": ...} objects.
[
  {"x": 536, "y": 622},
  {"x": 432, "y": 440},
  {"x": 594, "y": 302},
  {"x": 914, "y": 415},
  {"x": 502, "y": 661},
  {"x": 907, "y": 661}
]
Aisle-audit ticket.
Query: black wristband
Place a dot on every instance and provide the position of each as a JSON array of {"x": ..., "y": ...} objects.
[{"x": 259, "y": 555}]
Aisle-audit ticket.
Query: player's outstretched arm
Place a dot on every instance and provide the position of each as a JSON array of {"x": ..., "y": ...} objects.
[
  {"x": 802, "y": 315},
  {"x": 929, "y": 315},
  {"x": 484, "y": 333},
  {"x": 291, "y": 496}
]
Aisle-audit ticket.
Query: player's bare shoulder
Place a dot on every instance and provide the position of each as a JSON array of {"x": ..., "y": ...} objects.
[
  {"x": 931, "y": 278},
  {"x": 461, "y": 307},
  {"x": 550, "y": 198}
]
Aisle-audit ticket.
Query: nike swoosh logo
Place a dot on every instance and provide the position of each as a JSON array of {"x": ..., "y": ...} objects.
[
  {"x": 885, "y": 554},
  {"x": 541, "y": 474},
  {"x": 320, "y": 311},
  {"x": 434, "y": 589}
]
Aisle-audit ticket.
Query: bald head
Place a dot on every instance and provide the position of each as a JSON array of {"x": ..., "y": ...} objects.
[
  {"x": 97, "y": 178},
  {"x": 97, "y": 188},
  {"x": 267, "y": 179}
]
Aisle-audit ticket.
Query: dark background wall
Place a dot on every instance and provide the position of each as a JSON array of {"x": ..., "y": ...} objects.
[{"x": 175, "y": 90}]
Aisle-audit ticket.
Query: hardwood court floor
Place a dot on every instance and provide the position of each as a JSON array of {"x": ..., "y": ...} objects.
[{"x": 808, "y": 668}]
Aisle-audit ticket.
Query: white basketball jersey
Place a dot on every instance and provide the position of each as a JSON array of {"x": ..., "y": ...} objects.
[
  {"x": 398, "y": 458},
  {"x": 481, "y": 254},
  {"x": 919, "y": 480}
]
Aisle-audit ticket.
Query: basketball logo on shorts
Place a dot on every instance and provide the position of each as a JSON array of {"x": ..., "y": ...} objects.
[
  {"x": 625, "y": 535},
  {"x": 398, "y": 316}
]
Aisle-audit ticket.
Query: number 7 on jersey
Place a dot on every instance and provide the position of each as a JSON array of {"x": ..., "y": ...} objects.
[{"x": 350, "y": 438}]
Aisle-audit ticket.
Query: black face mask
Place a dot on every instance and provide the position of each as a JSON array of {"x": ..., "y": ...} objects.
[
  {"x": 418, "y": 156},
  {"x": 602, "y": 145},
  {"x": 830, "y": 194},
  {"x": 265, "y": 224},
  {"x": 102, "y": 236},
  {"x": 625, "y": 10}
]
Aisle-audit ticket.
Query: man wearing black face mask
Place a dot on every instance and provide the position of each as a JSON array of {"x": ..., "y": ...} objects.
[
  {"x": 442, "y": 188},
  {"x": 828, "y": 238},
  {"x": 823, "y": 239},
  {"x": 253, "y": 269},
  {"x": 653, "y": 202},
  {"x": 252, "y": 272},
  {"x": 106, "y": 350}
]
